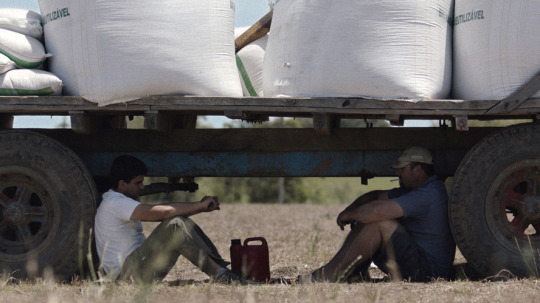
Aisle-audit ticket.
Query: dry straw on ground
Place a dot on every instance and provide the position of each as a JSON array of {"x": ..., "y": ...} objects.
[{"x": 301, "y": 238}]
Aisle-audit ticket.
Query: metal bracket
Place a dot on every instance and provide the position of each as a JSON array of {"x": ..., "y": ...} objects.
[
  {"x": 82, "y": 123},
  {"x": 461, "y": 123},
  {"x": 154, "y": 120},
  {"x": 324, "y": 123},
  {"x": 238, "y": 114},
  {"x": 6, "y": 121},
  {"x": 516, "y": 98},
  {"x": 395, "y": 119}
]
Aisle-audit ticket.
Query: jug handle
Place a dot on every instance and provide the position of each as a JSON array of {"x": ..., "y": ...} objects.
[{"x": 263, "y": 240}]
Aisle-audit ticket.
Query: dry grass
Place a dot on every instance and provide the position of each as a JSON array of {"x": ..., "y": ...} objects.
[{"x": 301, "y": 238}]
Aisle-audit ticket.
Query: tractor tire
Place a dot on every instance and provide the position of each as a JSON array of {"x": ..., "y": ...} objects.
[
  {"x": 47, "y": 207},
  {"x": 494, "y": 207}
]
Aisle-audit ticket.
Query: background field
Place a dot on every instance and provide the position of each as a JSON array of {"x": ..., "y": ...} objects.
[{"x": 301, "y": 238}]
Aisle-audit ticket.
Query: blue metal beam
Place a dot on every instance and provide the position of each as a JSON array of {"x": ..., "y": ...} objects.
[{"x": 244, "y": 164}]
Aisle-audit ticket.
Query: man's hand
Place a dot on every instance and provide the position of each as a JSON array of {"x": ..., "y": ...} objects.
[
  {"x": 209, "y": 204},
  {"x": 344, "y": 219}
]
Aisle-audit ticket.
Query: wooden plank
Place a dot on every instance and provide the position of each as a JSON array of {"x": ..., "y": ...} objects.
[
  {"x": 160, "y": 121},
  {"x": 260, "y": 108},
  {"x": 461, "y": 123},
  {"x": 516, "y": 98},
  {"x": 82, "y": 123},
  {"x": 114, "y": 122},
  {"x": 324, "y": 123},
  {"x": 6, "y": 121},
  {"x": 258, "y": 30},
  {"x": 268, "y": 139},
  {"x": 185, "y": 122},
  {"x": 178, "y": 103},
  {"x": 234, "y": 114}
]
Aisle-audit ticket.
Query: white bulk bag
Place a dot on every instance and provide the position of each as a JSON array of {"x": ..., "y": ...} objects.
[
  {"x": 29, "y": 82},
  {"x": 6, "y": 64},
  {"x": 117, "y": 51},
  {"x": 22, "y": 21},
  {"x": 496, "y": 47},
  {"x": 250, "y": 61},
  {"x": 383, "y": 49},
  {"x": 25, "y": 51}
]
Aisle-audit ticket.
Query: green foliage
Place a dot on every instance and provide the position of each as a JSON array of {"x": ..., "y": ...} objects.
[
  {"x": 266, "y": 190},
  {"x": 496, "y": 123},
  {"x": 490, "y": 123},
  {"x": 344, "y": 190},
  {"x": 305, "y": 123},
  {"x": 245, "y": 190}
]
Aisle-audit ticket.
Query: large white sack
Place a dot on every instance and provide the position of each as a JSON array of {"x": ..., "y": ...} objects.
[
  {"x": 29, "y": 82},
  {"x": 250, "y": 60},
  {"x": 117, "y": 51},
  {"x": 25, "y": 51},
  {"x": 6, "y": 64},
  {"x": 22, "y": 21},
  {"x": 383, "y": 49},
  {"x": 496, "y": 47}
]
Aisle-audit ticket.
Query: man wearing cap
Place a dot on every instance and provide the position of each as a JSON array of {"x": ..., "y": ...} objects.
[
  {"x": 404, "y": 231},
  {"x": 127, "y": 254}
]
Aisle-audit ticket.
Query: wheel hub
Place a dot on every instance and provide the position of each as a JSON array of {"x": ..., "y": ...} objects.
[
  {"x": 24, "y": 211},
  {"x": 514, "y": 201},
  {"x": 13, "y": 214}
]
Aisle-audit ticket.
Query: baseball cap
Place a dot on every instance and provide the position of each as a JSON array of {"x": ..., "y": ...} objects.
[{"x": 413, "y": 154}]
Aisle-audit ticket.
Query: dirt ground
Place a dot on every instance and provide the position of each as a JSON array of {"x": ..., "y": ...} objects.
[{"x": 301, "y": 238}]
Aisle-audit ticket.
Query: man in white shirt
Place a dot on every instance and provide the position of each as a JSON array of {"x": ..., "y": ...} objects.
[{"x": 125, "y": 252}]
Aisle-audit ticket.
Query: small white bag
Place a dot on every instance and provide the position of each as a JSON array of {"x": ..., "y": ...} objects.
[
  {"x": 25, "y": 51},
  {"x": 6, "y": 64},
  {"x": 29, "y": 82},
  {"x": 22, "y": 21},
  {"x": 250, "y": 60}
]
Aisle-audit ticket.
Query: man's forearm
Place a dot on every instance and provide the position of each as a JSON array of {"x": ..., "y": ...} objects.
[
  {"x": 148, "y": 212},
  {"x": 377, "y": 210},
  {"x": 186, "y": 209},
  {"x": 363, "y": 199}
]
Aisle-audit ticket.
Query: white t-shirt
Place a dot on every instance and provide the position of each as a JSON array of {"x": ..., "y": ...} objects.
[{"x": 116, "y": 235}]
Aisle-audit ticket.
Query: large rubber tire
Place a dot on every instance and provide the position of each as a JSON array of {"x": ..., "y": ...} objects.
[
  {"x": 47, "y": 206},
  {"x": 495, "y": 203}
]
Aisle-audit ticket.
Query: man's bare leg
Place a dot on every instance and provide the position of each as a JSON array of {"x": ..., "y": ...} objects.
[{"x": 364, "y": 240}]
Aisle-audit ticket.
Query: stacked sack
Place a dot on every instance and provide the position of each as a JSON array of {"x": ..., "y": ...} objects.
[
  {"x": 117, "y": 51},
  {"x": 496, "y": 47},
  {"x": 22, "y": 55},
  {"x": 393, "y": 49},
  {"x": 250, "y": 61}
]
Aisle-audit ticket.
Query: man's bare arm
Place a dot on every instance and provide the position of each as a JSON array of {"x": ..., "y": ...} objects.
[
  {"x": 373, "y": 211},
  {"x": 378, "y": 210},
  {"x": 368, "y": 197},
  {"x": 363, "y": 199},
  {"x": 149, "y": 212}
]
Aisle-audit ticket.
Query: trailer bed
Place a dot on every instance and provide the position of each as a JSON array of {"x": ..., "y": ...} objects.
[{"x": 249, "y": 107}]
